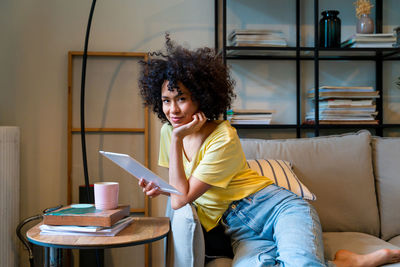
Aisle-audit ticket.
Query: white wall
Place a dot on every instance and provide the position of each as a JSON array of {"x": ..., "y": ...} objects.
[{"x": 36, "y": 36}]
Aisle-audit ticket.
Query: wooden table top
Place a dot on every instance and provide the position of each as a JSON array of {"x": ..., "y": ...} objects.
[{"x": 141, "y": 231}]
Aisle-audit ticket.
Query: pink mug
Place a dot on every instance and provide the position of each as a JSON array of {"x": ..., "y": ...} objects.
[{"x": 106, "y": 195}]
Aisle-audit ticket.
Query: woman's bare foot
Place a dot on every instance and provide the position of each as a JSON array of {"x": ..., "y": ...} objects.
[{"x": 345, "y": 258}]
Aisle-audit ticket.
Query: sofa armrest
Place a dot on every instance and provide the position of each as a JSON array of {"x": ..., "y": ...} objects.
[{"x": 186, "y": 241}]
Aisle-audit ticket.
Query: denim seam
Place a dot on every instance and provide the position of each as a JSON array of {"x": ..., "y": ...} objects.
[{"x": 249, "y": 222}]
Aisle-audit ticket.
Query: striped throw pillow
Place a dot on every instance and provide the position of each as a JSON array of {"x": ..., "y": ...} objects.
[{"x": 280, "y": 171}]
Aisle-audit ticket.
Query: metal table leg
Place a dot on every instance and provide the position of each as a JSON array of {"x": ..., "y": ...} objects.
[
  {"x": 46, "y": 257},
  {"x": 55, "y": 257}
]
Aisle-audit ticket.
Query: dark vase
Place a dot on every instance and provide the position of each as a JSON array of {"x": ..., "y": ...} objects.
[{"x": 329, "y": 29}]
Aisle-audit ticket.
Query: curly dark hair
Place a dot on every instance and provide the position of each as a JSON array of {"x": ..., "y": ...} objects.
[{"x": 201, "y": 71}]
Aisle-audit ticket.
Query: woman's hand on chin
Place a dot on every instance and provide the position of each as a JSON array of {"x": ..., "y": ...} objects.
[{"x": 194, "y": 126}]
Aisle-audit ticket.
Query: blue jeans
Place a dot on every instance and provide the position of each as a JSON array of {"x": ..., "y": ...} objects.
[{"x": 274, "y": 227}]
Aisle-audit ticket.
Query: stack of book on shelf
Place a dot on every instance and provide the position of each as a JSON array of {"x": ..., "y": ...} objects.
[
  {"x": 375, "y": 40},
  {"x": 257, "y": 38},
  {"x": 344, "y": 105},
  {"x": 85, "y": 219},
  {"x": 249, "y": 116}
]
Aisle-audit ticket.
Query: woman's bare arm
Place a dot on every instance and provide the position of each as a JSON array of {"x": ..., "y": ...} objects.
[{"x": 191, "y": 188}]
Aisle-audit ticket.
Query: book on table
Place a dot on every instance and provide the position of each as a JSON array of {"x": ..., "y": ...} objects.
[
  {"x": 86, "y": 215},
  {"x": 86, "y": 230}
]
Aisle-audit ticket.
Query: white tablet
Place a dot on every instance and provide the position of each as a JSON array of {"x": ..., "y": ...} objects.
[{"x": 132, "y": 166}]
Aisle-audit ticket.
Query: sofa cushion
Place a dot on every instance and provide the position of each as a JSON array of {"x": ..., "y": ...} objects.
[
  {"x": 386, "y": 155},
  {"x": 356, "y": 242},
  {"x": 337, "y": 169},
  {"x": 186, "y": 242},
  {"x": 280, "y": 171},
  {"x": 395, "y": 241}
]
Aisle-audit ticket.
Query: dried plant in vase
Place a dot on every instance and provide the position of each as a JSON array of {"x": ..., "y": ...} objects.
[
  {"x": 363, "y": 10},
  {"x": 363, "y": 7}
]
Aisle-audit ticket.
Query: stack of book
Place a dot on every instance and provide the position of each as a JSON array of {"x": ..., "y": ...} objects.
[
  {"x": 85, "y": 219},
  {"x": 375, "y": 40},
  {"x": 257, "y": 38},
  {"x": 251, "y": 116},
  {"x": 345, "y": 105}
]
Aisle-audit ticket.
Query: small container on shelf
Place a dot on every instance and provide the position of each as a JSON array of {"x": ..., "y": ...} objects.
[{"x": 329, "y": 29}]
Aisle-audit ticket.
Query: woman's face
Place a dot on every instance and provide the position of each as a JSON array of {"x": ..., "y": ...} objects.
[{"x": 178, "y": 107}]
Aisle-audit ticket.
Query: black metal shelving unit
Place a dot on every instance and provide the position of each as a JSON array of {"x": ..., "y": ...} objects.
[{"x": 299, "y": 53}]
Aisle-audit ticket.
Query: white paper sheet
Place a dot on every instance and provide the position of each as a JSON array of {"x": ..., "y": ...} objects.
[
  {"x": 139, "y": 171},
  {"x": 86, "y": 230}
]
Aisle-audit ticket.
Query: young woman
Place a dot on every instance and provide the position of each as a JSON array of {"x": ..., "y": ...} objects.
[{"x": 268, "y": 225}]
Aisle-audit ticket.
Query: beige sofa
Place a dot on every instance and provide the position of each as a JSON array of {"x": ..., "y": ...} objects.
[{"x": 355, "y": 177}]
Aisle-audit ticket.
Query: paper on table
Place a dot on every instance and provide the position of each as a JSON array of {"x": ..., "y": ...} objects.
[
  {"x": 139, "y": 171},
  {"x": 85, "y": 230},
  {"x": 90, "y": 229}
]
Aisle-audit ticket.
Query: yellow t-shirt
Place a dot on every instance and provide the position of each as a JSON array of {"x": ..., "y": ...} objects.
[{"x": 220, "y": 162}]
